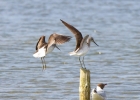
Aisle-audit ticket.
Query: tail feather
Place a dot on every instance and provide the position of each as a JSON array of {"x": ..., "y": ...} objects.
[
  {"x": 40, "y": 53},
  {"x": 72, "y": 53}
]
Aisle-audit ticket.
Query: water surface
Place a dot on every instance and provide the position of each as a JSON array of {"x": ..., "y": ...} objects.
[{"x": 113, "y": 24}]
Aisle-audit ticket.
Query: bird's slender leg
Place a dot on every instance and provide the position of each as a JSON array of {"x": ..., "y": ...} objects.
[
  {"x": 80, "y": 62},
  {"x": 42, "y": 62},
  {"x": 83, "y": 62}
]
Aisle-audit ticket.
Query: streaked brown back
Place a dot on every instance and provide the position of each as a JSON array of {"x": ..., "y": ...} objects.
[{"x": 77, "y": 33}]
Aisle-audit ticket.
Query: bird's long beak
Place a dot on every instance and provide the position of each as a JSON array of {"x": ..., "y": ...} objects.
[
  {"x": 57, "y": 47},
  {"x": 95, "y": 42},
  {"x": 105, "y": 84}
]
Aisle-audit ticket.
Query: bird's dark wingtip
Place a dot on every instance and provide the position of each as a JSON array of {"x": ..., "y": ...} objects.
[{"x": 70, "y": 37}]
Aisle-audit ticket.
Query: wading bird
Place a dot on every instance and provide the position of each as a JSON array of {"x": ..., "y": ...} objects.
[
  {"x": 82, "y": 45},
  {"x": 43, "y": 48}
]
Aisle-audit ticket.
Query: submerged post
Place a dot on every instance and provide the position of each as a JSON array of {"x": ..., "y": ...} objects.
[{"x": 84, "y": 85}]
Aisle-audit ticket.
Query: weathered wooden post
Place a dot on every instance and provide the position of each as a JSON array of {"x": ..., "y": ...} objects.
[{"x": 84, "y": 85}]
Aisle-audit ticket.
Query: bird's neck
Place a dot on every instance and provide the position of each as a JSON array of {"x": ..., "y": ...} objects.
[
  {"x": 88, "y": 42},
  {"x": 98, "y": 88}
]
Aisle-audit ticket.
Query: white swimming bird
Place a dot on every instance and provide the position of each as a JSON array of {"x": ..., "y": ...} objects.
[{"x": 98, "y": 93}]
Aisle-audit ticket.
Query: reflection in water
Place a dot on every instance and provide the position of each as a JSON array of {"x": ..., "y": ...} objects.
[{"x": 117, "y": 32}]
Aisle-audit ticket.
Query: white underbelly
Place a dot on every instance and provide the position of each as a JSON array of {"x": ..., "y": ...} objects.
[
  {"x": 41, "y": 53},
  {"x": 83, "y": 51},
  {"x": 50, "y": 49}
]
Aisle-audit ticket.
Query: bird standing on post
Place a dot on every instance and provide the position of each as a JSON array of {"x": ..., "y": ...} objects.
[
  {"x": 83, "y": 44},
  {"x": 98, "y": 93},
  {"x": 43, "y": 48}
]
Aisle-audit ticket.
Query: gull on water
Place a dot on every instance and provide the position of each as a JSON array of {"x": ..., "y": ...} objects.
[{"x": 98, "y": 93}]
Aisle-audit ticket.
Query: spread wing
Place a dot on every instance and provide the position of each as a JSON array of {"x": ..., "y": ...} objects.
[
  {"x": 77, "y": 33},
  {"x": 58, "y": 39},
  {"x": 40, "y": 42}
]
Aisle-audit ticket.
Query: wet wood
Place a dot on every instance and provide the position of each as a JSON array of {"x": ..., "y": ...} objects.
[{"x": 84, "y": 85}]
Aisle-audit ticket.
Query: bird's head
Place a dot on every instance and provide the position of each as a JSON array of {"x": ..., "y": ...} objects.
[
  {"x": 101, "y": 85},
  {"x": 91, "y": 39}
]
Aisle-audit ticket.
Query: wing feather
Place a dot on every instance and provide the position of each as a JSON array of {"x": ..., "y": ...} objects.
[
  {"x": 77, "y": 33},
  {"x": 58, "y": 39},
  {"x": 40, "y": 42}
]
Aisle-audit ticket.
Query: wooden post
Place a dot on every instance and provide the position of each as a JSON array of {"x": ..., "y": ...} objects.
[{"x": 84, "y": 85}]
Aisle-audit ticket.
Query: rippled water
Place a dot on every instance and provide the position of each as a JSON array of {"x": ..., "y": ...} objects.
[{"x": 113, "y": 24}]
